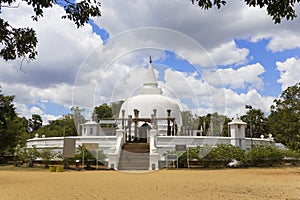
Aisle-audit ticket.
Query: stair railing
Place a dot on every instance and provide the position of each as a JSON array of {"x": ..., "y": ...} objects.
[
  {"x": 114, "y": 156},
  {"x": 153, "y": 155}
]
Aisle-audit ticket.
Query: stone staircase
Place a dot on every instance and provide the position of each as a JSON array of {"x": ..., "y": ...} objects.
[{"x": 134, "y": 156}]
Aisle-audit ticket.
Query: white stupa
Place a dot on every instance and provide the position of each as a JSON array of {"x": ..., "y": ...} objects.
[{"x": 150, "y": 98}]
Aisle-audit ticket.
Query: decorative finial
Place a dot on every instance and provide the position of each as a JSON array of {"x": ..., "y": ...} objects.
[{"x": 150, "y": 61}]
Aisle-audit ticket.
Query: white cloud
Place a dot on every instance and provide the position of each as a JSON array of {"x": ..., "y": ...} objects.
[
  {"x": 36, "y": 110},
  {"x": 24, "y": 111},
  {"x": 283, "y": 40},
  {"x": 237, "y": 78},
  {"x": 228, "y": 54},
  {"x": 209, "y": 99},
  {"x": 289, "y": 72},
  {"x": 235, "y": 103}
]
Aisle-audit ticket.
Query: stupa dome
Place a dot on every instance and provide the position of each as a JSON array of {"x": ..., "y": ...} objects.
[{"x": 149, "y": 98}]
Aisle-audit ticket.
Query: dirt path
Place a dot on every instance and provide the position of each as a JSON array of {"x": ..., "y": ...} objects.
[{"x": 278, "y": 183}]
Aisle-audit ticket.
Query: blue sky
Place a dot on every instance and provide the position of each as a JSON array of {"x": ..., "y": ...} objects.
[{"x": 209, "y": 61}]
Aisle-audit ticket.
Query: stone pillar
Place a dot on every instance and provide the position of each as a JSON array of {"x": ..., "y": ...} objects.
[
  {"x": 136, "y": 116},
  {"x": 129, "y": 127},
  {"x": 153, "y": 155},
  {"x": 123, "y": 119},
  {"x": 173, "y": 127},
  {"x": 169, "y": 127},
  {"x": 154, "y": 119}
]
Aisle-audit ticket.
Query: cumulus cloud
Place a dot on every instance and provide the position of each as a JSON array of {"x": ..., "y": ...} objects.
[
  {"x": 289, "y": 72},
  {"x": 27, "y": 111},
  {"x": 237, "y": 78},
  {"x": 207, "y": 98},
  {"x": 228, "y": 54},
  {"x": 285, "y": 39}
]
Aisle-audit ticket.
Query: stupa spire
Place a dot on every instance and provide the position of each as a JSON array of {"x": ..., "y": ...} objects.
[{"x": 150, "y": 85}]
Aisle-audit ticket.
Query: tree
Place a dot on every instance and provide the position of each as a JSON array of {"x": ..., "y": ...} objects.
[
  {"x": 258, "y": 122},
  {"x": 35, "y": 122},
  {"x": 102, "y": 112},
  {"x": 19, "y": 130},
  {"x": 188, "y": 120},
  {"x": 47, "y": 155},
  {"x": 89, "y": 156},
  {"x": 23, "y": 154},
  {"x": 284, "y": 120},
  {"x": 277, "y": 9},
  {"x": 115, "y": 107},
  {"x": 214, "y": 124},
  {"x": 8, "y": 138},
  {"x": 61, "y": 127},
  {"x": 22, "y": 42}
]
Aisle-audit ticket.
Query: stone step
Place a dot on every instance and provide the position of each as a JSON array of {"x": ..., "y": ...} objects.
[
  {"x": 132, "y": 160},
  {"x": 136, "y": 147}
]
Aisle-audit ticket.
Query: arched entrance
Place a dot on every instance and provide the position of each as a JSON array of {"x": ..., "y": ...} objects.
[{"x": 143, "y": 130}]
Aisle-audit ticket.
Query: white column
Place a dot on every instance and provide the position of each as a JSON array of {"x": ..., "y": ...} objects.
[{"x": 153, "y": 155}]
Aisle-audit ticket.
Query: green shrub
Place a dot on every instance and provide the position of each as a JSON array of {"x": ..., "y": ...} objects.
[
  {"x": 225, "y": 153},
  {"x": 264, "y": 155},
  {"x": 220, "y": 155},
  {"x": 23, "y": 155},
  {"x": 192, "y": 153}
]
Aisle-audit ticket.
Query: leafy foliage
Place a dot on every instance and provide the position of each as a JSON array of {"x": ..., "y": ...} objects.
[
  {"x": 89, "y": 156},
  {"x": 259, "y": 155},
  {"x": 278, "y": 10},
  {"x": 8, "y": 115},
  {"x": 22, "y": 42},
  {"x": 47, "y": 155},
  {"x": 116, "y": 107},
  {"x": 284, "y": 120},
  {"x": 258, "y": 122},
  {"x": 264, "y": 155},
  {"x": 61, "y": 127},
  {"x": 225, "y": 153},
  {"x": 23, "y": 154},
  {"x": 210, "y": 124},
  {"x": 207, "y": 4},
  {"x": 102, "y": 111},
  {"x": 17, "y": 42},
  {"x": 28, "y": 155},
  {"x": 35, "y": 122}
]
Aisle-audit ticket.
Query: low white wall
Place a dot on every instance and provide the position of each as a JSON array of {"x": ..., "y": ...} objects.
[
  {"x": 56, "y": 143},
  {"x": 168, "y": 143}
]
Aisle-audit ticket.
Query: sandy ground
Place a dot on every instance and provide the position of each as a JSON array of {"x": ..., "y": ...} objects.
[{"x": 272, "y": 183}]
